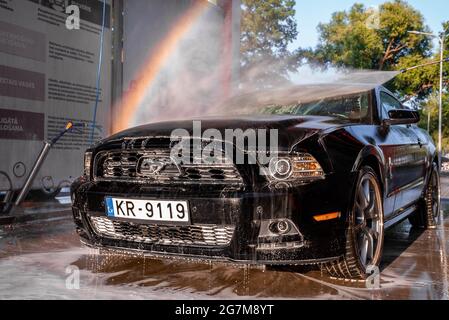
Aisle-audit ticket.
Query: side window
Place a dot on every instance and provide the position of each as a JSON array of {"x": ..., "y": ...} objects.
[{"x": 388, "y": 103}]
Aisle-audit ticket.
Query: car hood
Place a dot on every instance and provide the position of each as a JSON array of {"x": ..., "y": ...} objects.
[{"x": 291, "y": 129}]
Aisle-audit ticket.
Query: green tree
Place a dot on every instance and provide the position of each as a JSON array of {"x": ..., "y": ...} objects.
[
  {"x": 432, "y": 106},
  {"x": 364, "y": 38},
  {"x": 424, "y": 80},
  {"x": 431, "y": 103},
  {"x": 267, "y": 28}
]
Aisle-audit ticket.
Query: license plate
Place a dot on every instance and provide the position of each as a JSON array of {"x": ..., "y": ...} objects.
[{"x": 157, "y": 211}]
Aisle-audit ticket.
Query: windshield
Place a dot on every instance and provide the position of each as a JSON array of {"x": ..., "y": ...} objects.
[
  {"x": 349, "y": 102},
  {"x": 354, "y": 108}
]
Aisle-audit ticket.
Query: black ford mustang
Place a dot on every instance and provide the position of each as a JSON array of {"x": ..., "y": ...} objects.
[{"x": 350, "y": 162}]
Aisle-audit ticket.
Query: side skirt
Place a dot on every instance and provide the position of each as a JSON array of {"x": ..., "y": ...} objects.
[{"x": 401, "y": 215}]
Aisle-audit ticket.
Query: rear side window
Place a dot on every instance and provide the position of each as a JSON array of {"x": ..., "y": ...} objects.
[{"x": 389, "y": 103}]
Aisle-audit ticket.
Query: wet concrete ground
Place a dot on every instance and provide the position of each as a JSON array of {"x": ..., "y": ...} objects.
[{"x": 44, "y": 259}]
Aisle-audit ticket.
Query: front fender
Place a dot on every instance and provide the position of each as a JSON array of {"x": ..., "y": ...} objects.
[{"x": 367, "y": 152}]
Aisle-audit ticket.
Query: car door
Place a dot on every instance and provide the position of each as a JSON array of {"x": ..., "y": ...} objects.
[
  {"x": 427, "y": 148},
  {"x": 404, "y": 156}
]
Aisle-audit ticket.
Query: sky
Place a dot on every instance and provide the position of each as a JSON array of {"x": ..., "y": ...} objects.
[{"x": 310, "y": 13}]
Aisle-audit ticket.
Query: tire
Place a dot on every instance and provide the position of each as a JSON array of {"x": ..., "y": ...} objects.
[
  {"x": 365, "y": 231},
  {"x": 428, "y": 214}
]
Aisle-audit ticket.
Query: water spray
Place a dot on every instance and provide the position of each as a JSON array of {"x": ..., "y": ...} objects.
[{"x": 424, "y": 65}]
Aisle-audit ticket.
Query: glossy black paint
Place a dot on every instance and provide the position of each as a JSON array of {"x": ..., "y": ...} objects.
[{"x": 401, "y": 155}]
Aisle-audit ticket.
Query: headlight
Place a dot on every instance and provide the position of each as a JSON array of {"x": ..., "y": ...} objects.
[
  {"x": 87, "y": 163},
  {"x": 280, "y": 168},
  {"x": 294, "y": 168}
]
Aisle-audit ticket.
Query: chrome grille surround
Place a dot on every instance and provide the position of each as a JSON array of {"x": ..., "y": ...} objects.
[
  {"x": 193, "y": 235},
  {"x": 123, "y": 165}
]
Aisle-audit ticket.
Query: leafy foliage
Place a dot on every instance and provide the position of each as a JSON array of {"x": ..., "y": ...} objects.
[
  {"x": 268, "y": 27},
  {"x": 352, "y": 39},
  {"x": 431, "y": 104},
  {"x": 363, "y": 38},
  {"x": 432, "y": 107}
]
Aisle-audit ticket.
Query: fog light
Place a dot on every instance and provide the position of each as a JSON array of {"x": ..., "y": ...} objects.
[
  {"x": 278, "y": 234},
  {"x": 280, "y": 227}
]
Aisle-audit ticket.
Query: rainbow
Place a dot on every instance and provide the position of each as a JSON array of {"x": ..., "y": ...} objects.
[{"x": 153, "y": 65}]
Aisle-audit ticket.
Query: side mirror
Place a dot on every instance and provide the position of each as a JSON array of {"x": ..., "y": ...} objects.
[{"x": 403, "y": 116}]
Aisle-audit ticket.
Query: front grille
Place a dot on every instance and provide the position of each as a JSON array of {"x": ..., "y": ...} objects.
[
  {"x": 194, "y": 235},
  {"x": 129, "y": 165}
]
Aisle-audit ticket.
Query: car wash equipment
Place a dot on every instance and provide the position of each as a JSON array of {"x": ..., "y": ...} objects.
[
  {"x": 38, "y": 164},
  {"x": 6, "y": 202}
]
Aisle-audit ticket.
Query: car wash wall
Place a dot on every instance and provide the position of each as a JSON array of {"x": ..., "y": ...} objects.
[
  {"x": 160, "y": 59},
  {"x": 48, "y": 76}
]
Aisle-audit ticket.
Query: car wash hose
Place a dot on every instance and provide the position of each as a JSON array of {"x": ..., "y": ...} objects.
[
  {"x": 5, "y": 205},
  {"x": 38, "y": 164},
  {"x": 100, "y": 62}
]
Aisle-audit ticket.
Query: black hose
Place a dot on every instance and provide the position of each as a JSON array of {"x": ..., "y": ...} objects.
[
  {"x": 3, "y": 173},
  {"x": 58, "y": 188},
  {"x": 6, "y": 206}
]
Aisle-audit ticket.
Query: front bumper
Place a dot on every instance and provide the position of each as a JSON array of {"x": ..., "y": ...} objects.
[{"x": 247, "y": 212}]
